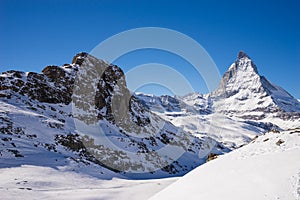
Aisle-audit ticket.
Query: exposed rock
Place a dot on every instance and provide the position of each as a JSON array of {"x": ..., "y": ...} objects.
[
  {"x": 279, "y": 142},
  {"x": 242, "y": 54},
  {"x": 55, "y": 86},
  {"x": 211, "y": 157}
]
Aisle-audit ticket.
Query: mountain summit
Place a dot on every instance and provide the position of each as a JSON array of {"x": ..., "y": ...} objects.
[
  {"x": 245, "y": 104},
  {"x": 242, "y": 88},
  {"x": 242, "y": 54},
  {"x": 242, "y": 75}
]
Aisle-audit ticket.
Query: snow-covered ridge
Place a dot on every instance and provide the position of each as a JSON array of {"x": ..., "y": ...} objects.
[{"x": 267, "y": 168}]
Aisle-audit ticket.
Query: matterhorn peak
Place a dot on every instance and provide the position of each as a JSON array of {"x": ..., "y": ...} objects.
[
  {"x": 242, "y": 54},
  {"x": 242, "y": 86},
  {"x": 245, "y": 62},
  {"x": 242, "y": 74}
]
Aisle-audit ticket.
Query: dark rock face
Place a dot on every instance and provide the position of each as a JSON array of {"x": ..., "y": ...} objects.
[
  {"x": 242, "y": 54},
  {"x": 37, "y": 87},
  {"x": 52, "y": 87},
  {"x": 11, "y": 80},
  {"x": 100, "y": 87},
  {"x": 211, "y": 157},
  {"x": 54, "y": 73},
  {"x": 104, "y": 88},
  {"x": 79, "y": 58}
]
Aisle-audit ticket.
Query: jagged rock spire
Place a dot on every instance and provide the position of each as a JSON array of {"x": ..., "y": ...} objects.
[
  {"x": 241, "y": 74},
  {"x": 242, "y": 54},
  {"x": 244, "y": 86}
]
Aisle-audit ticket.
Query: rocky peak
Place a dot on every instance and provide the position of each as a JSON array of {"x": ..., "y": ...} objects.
[
  {"x": 245, "y": 63},
  {"x": 242, "y": 74},
  {"x": 53, "y": 85},
  {"x": 90, "y": 83},
  {"x": 242, "y": 54},
  {"x": 244, "y": 89},
  {"x": 79, "y": 58},
  {"x": 100, "y": 90}
]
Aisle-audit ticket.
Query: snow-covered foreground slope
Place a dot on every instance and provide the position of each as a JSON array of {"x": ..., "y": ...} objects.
[
  {"x": 268, "y": 168},
  {"x": 34, "y": 182}
]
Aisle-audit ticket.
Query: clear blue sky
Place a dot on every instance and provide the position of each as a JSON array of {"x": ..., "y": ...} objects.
[{"x": 38, "y": 33}]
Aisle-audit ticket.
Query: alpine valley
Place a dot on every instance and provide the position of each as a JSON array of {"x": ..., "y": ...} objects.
[{"x": 76, "y": 132}]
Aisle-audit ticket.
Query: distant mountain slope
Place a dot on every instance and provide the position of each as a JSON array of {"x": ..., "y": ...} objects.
[
  {"x": 245, "y": 105},
  {"x": 267, "y": 168}
]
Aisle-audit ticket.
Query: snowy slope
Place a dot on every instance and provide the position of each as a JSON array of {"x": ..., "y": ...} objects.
[
  {"x": 194, "y": 114},
  {"x": 36, "y": 182},
  {"x": 267, "y": 168},
  {"x": 29, "y": 137}
]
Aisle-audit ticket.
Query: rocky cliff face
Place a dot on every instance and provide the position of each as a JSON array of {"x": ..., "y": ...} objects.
[
  {"x": 101, "y": 91},
  {"x": 53, "y": 85},
  {"x": 85, "y": 112}
]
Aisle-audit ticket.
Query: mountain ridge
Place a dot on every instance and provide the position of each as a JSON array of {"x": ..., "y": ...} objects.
[{"x": 64, "y": 104}]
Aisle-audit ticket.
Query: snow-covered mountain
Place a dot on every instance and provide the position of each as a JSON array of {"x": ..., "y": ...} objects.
[
  {"x": 243, "y": 91},
  {"x": 82, "y": 115},
  {"x": 244, "y": 105},
  {"x": 80, "y": 120}
]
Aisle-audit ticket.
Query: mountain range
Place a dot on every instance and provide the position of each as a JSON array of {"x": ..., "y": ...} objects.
[
  {"x": 82, "y": 117},
  {"x": 243, "y": 106}
]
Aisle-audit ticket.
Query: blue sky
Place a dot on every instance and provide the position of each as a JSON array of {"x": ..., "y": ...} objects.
[{"x": 38, "y": 33}]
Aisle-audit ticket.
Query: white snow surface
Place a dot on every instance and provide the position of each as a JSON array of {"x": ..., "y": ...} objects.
[
  {"x": 261, "y": 170},
  {"x": 37, "y": 182}
]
